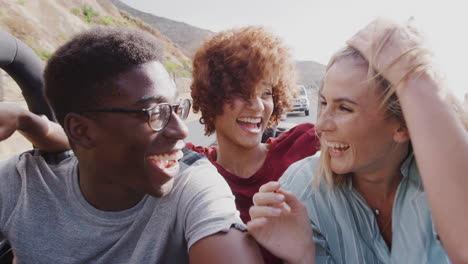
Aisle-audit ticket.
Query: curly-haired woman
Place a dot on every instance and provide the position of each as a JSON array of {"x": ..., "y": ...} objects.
[{"x": 243, "y": 80}]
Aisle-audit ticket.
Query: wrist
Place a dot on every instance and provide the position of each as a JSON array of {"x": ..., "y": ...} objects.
[
  {"x": 422, "y": 83},
  {"x": 30, "y": 123},
  {"x": 23, "y": 119},
  {"x": 307, "y": 258}
]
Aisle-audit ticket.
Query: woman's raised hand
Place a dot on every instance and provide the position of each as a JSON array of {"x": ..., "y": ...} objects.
[
  {"x": 395, "y": 50},
  {"x": 280, "y": 224}
]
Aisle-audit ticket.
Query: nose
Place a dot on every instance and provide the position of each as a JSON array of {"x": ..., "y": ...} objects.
[
  {"x": 325, "y": 122},
  {"x": 256, "y": 103},
  {"x": 176, "y": 128}
]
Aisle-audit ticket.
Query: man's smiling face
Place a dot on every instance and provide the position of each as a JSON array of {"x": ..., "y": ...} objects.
[{"x": 133, "y": 156}]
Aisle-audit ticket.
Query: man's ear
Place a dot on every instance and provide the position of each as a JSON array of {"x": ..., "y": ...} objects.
[
  {"x": 77, "y": 128},
  {"x": 401, "y": 134}
]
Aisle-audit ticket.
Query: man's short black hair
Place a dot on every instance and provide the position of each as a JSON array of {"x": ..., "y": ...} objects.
[{"x": 80, "y": 73}]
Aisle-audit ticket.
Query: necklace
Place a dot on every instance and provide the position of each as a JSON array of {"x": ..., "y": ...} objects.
[
  {"x": 377, "y": 211},
  {"x": 384, "y": 227}
]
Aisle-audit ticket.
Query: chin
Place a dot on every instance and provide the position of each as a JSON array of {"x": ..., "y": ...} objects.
[
  {"x": 251, "y": 145},
  {"x": 339, "y": 169},
  {"x": 162, "y": 190}
]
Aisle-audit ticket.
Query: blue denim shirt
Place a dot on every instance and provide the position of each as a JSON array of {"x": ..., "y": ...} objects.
[{"x": 345, "y": 227}]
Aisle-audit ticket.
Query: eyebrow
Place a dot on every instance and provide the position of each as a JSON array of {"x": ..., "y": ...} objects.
[
  {"x": 154, "y": 98},
  {"x": 341, "y": 99},
  {"x": 148, "y": 99}
]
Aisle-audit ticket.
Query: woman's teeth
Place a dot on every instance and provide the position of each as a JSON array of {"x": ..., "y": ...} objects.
[
  {"x": 337, "y": 147},
  {"x": 250, "y": 124},
  {"x": 250, "y": 120}
]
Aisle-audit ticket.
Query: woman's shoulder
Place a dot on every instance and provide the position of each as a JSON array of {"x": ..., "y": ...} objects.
[
  {"x": 209, "y": 152},
  {"x": 299, "y": 177},
  {"x": 304, "y": 130},
  {"x": 297, "y": 143}
]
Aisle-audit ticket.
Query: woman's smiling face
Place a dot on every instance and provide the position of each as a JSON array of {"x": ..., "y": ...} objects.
[
  {"x": 358, "y": 136},
  {"x": 243, "y": 121}
]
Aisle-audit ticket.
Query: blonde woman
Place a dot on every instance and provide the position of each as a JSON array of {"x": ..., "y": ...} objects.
[{"x": 389, "y": 185}]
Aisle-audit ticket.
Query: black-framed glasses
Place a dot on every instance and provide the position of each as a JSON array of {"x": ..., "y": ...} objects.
[{"x": 158, "y": 115}]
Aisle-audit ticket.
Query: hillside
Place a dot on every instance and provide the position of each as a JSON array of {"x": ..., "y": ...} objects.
[
  {"x": 310, "y": 73},
  {"x": 45, "y": 24},
  {"x": 187, "y": 37}
]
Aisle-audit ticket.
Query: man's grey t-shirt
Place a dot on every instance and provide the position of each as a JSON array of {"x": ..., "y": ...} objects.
[{"x": 47, "y": 220}]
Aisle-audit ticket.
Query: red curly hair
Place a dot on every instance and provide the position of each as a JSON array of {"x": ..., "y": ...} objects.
[{"x": 232, "y": 63}]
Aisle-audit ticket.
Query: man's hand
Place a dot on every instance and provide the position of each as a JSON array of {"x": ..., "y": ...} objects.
[
  {"x": 9, "y": 119},
  {"x": 43, "y": 134}
]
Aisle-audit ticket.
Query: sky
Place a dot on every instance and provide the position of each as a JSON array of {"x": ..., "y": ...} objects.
[{"x": 314, "y": 29}]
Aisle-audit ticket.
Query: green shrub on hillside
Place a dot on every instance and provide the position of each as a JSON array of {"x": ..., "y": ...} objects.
[
  {"x": 75, "y": 11},
  {"x": 89, "y": 13},
  {"x": 112, "y": 21},
  {"x": 177, "y": 70},
  {"x": 136, "y": 22},
  {"x": 28, "y": 39},
  {"x": 21, "y": 2},
  {"x": 170, "y": 66},
  {"x": 187, "y": 64},
  {"x": 63, "y": 36},
  {"x": 44, "y": 54},
  {"x": 107, "y": 20}
]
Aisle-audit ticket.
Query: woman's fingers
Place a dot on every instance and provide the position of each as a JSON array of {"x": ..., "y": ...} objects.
[
  {"x": 256, "y": 224},
  {"x": 269, "y": 187},
  {"x": 267, "y": 198},
  {"x": 291, "y": 200},
  {"x": 264, "y": 211}
]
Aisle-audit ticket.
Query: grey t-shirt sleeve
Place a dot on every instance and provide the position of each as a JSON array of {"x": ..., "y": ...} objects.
[
  {"x": 10, "y": 188},
  {"x": 207, "y": 203}
]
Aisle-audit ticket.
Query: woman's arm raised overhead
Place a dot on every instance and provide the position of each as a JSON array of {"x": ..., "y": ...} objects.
[{"x": 436, "y": 122}]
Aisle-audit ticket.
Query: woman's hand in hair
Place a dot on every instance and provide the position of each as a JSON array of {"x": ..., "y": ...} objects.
[
  {"x": 281, "y": 225},
  {"x": 397, "y": 51}
]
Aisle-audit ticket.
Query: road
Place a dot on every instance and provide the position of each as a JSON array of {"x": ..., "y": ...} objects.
[{"x": 196, "y": 130}]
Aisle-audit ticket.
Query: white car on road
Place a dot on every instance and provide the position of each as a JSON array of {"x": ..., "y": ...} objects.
[{"x": 301, "y": 102}]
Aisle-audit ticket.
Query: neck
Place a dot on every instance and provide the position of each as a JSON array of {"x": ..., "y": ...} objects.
[
  {"x": 380, "y": 182},
  {"x": 240, "y": 161},
  {"x": 377, "y": 189},
  {"x": 379, "y": 192},
  {"x": 104, "y": 194}
]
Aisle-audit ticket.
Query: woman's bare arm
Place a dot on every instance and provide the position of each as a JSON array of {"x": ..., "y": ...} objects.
[{"x": 438, "y": 133}]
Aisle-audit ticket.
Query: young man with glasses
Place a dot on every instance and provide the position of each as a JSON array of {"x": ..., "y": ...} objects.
[{"x": 123, "y": 196}]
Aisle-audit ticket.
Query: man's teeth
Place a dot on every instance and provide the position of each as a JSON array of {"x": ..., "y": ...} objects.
[
  {"x": 250, "y": 120},
  {"x": 172, "y": 156}
]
